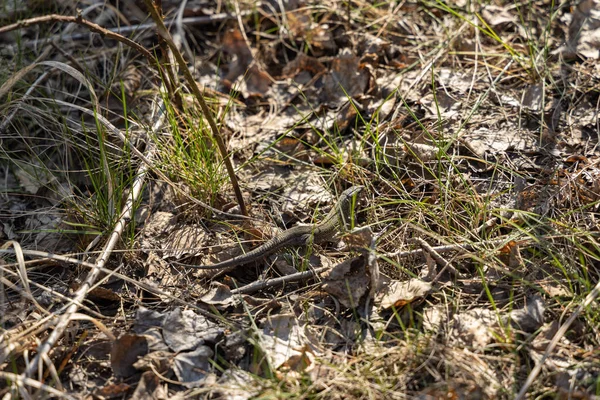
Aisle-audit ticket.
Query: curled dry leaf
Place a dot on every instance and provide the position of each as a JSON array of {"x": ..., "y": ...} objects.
[
  {"x": 348, "y": 281},
  {"x": 398, "y": 294},
  {"x": 284, "y": 343}
]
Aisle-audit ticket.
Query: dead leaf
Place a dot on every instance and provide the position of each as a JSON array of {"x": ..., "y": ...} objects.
[
  {"x": 146, "y": 319},
  {"x": 282, "y": 339},
  {"x": 371, "y": 44},
  {"x": 531, "y": 316},
  {"x": 302, "y": 63},
  {"x": 129, "y": 80},
  {"x": 186, "y": 330},
  {"x": 474, "y": 328},
  {"x": 533, "y": 98},
  {"x": 256, "y": 82},
  {"x": 233, "y": 43},
  {"x": 184, "y": 241},
  {"x": 456, "y": 80},
  {"x": 584, "y": 31},
  {"x": 346, "y": 79},
  {"x": 494, "y": 141},
  {"x": 192, "y": 368},
  {"x": 553, "y": 289},
  {"x": 359, "y": 238},
  {"x": 441, "y": 105},
  {"x": 398, "y": 294},
  {"x": 348, "y": 282},
  {"x": 113, "y": 390},
  {"x": 125, "y": 352},
  {"x": 497, "y": 15},
  {"x": 433, "y": 318},
  {"x": 321, "y": 39},
  {"x": 237, "y": 384},
  {"x": 99, "y": 294},
  {"x": 219, "y": 296},
  {"x": 576, "y": 158},
  {"x": 159, "y": 223},
  {"x": 160, "y": 361},
  {"x": 149, "y": 388}
]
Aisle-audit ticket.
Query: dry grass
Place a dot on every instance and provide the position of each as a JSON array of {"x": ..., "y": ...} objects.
[{"x": 473, "y": 128}]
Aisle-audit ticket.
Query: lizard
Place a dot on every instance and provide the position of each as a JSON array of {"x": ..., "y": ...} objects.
[{"x": 337, "y": 220}]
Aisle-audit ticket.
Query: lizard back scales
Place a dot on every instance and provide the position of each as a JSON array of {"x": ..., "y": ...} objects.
[{"x": 337, "y": 219}]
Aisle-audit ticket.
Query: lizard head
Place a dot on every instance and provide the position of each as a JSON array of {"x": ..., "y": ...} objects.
[
  {"x": 348, "y": 193},
  {"x": 345, "y": 204}
]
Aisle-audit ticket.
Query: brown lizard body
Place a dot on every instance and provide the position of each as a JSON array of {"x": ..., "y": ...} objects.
[{"x": 337, "y": 219}]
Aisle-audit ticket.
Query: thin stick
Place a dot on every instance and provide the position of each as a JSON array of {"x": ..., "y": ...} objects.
[
  {"x": 90, "y": 25},
  {"x": 446, "y": 265},
  {"x": 258, "y": 285},
  {"x": 557, "y": 336},
  {"x": 109, "y": 272},
  {"x": 164, "y": 33},
  {"x": 19, "y": 380},
  {"x": 131, "y": 29},
  {"x": 94, "y": 274}
]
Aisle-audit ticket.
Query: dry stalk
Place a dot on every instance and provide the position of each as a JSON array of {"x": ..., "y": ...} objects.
[
  {"x": 94, "y": 274},
  {"x": 91, "y": 26},
  {"x": 144, "y": 286},
  {"x": 164, "y": 33},
  {"x": 557, "y": 336},
  {"x": 10, "y": 377},
  {"x": 259, "y": 285}
]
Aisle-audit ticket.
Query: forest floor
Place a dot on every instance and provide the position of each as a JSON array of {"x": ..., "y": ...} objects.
[{"x": 468, "y": 265}]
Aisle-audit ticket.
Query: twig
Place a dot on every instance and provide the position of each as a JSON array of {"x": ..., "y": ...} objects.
[
  {"x": 258, "y": 285},
  {"x": 164, "y": 33},
  {"x": 438, "y": 259},
  {"x": 94, "y": 274},
  {"x": 110, "y": 273},
  {"x": 131, "y": 29},
  {"x": 557, "y": 336},
  {"x": 91, "y": 26}
]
